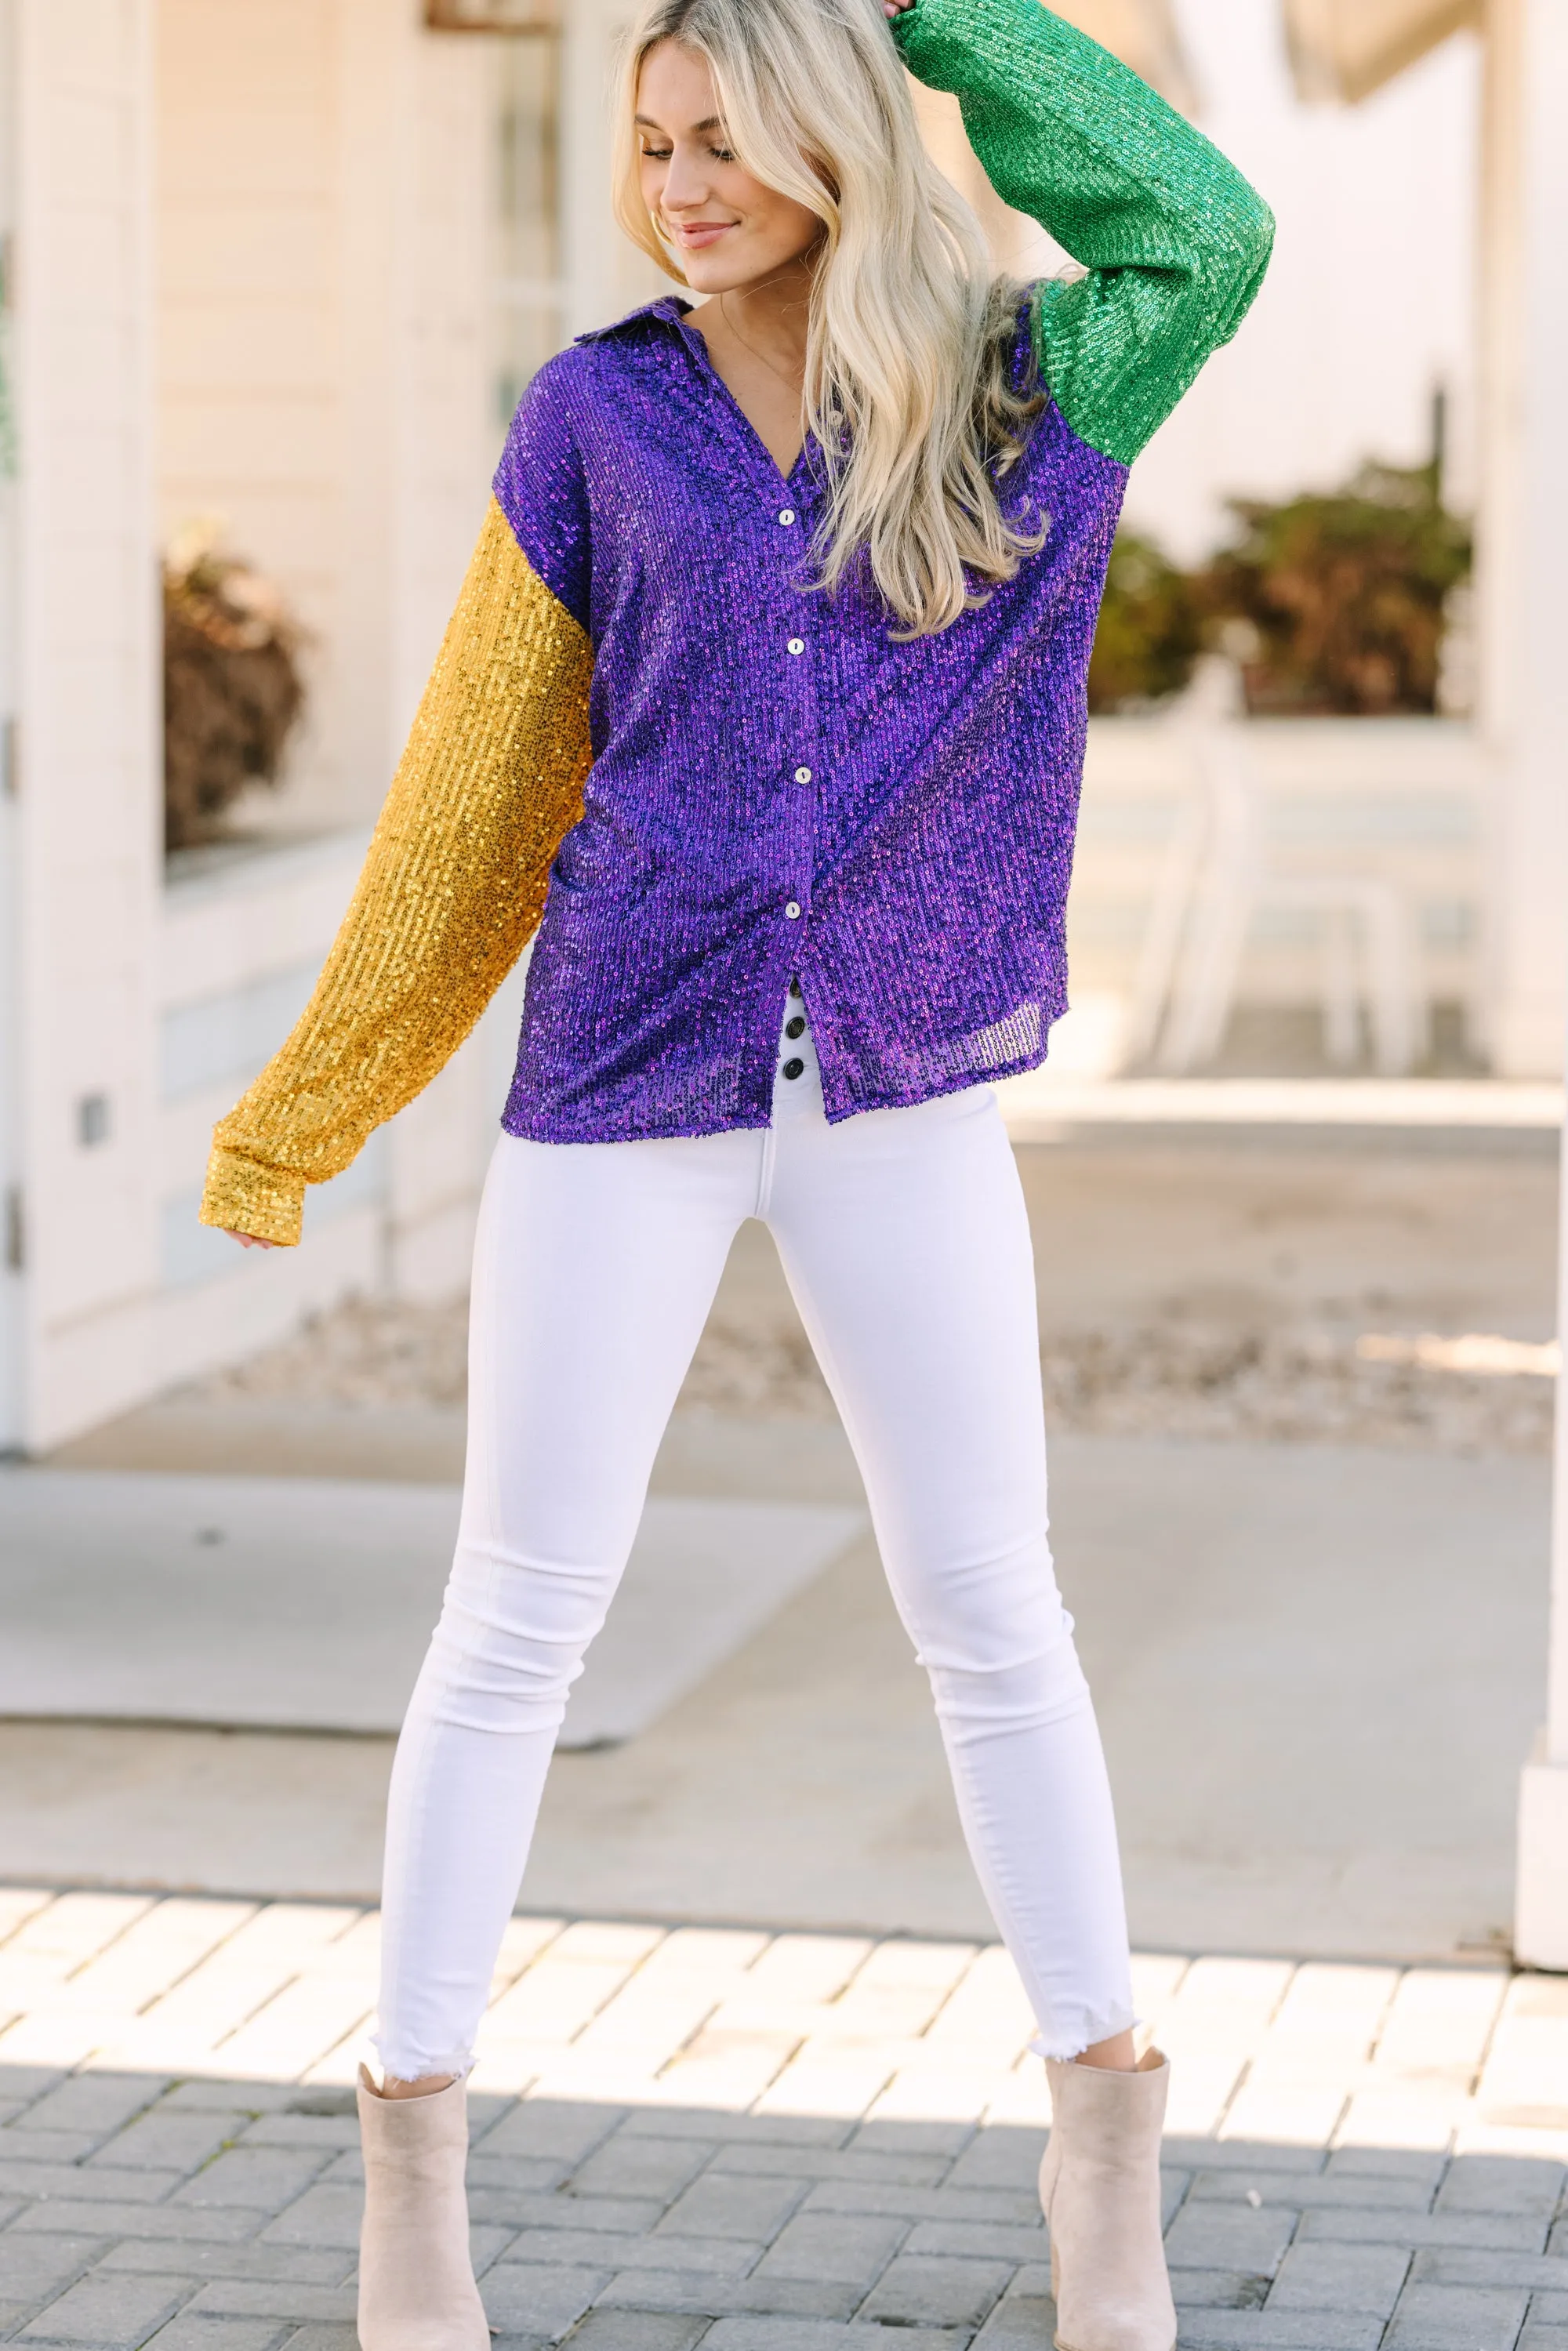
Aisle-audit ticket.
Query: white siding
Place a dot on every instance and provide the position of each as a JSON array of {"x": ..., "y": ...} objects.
[
  {"x": 323, "y": 283},
  {"x": 89, "y": 789},
  {"x": 283, "y": 317},
  {"x": 324, "y": 222},
  {"x": 13, "y": 1296}
]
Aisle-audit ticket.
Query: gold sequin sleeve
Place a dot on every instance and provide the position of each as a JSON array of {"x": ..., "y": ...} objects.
[{"x": 453, "y": 888}]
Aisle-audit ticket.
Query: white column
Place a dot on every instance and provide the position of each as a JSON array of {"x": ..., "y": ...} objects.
[
  {"x": 1527, "y": 677},
  {"x": 1524, "y": 527},
  {"x": 87, "y": 811},
  {"x": 1540, "y": 1906},
  {"x": 603, "y": 274},
  {"x": 444, "y": 438},
  {"x": 12, "y": 1293},
  {"x": 589, "y": 237}
]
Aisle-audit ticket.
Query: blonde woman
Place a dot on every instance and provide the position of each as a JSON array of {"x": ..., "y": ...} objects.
[{"x": 764, "y": 705}]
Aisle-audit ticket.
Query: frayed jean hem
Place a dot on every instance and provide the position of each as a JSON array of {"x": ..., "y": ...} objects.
[
  {"x": 398, "y": 2065},
  {"x": 1065, "y": 2045}
]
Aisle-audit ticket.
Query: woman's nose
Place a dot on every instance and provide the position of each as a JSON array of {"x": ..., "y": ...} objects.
[{"x": 685, "y": 184}]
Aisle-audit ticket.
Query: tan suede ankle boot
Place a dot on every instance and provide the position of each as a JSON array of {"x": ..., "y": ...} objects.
[
  {"x": 1100, "y": 2192},
  {"x": 416, "y": 2282}
]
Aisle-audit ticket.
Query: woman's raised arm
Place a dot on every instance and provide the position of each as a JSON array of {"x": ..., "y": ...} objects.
[
  {"x": 1176, "y": 242},
  {"x": 451, "y": 890}
]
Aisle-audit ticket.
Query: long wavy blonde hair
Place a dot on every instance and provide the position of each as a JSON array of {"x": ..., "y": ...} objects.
[{"x": 909, "y": 344}]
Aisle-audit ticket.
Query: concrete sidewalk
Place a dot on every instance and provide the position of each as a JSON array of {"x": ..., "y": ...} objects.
[
  {"x": 1317, "y": 1668},
  {"x": 758, "y": 2142},
  {"x": 305, "y": 1603}
]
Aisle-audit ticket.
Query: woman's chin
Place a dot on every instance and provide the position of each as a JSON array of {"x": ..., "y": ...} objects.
[{"x": 708, "y": 272}]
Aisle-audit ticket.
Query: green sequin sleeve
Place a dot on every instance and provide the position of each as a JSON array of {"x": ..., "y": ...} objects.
[{"x": 1174, "y": 240}]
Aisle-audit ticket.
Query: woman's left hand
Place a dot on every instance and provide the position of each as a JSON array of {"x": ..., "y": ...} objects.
[{"x": 895, "y": 8}]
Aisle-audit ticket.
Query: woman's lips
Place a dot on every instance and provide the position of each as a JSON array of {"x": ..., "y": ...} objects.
[{"x": 698, "y": 233}]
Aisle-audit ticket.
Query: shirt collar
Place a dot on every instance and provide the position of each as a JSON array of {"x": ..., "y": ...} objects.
[{"x": 669, "y": 310}]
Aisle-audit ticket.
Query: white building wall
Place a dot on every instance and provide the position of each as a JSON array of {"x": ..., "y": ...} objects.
[
  {"x": 1370, "y": 301},
  {"x": 325, "y": 224},
  {"x": 323, "y": 281},
  {"x": 249, "y": 340},
  {"x": 13, "y": 1296},
  {"x": 1524, "y": 679},
  {"x": 282, "y": 316},
  {"x": 1527, "y": 703},
  {"x": 87, "y": 807}
]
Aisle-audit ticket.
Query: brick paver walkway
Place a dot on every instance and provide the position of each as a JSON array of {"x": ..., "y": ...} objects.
[{"x": 759, "y": 2142}]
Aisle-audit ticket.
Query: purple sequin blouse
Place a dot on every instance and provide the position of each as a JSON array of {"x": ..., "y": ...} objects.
[{"x": 779, "y": 790}]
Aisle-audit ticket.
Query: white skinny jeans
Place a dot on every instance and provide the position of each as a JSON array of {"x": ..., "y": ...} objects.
[{"x": 905, "y": 1238}]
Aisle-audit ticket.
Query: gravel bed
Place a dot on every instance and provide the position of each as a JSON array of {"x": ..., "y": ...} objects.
[{"x": 1178, "y": 1378}]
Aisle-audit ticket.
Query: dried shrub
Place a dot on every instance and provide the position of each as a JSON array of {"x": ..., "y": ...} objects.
[
  {"x": 1345, "y": 595},
  {"x": 1333, "y": 604},
  {"x": 1150, "y": 632},
  {"x": 231, "y": 687}
]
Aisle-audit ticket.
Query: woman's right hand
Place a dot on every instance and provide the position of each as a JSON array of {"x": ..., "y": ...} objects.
[{"x": 248, "y": 1240}]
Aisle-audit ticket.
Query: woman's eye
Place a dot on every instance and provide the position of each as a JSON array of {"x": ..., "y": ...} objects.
[
  {"x": 656, "y": 154},
  {"x": 722, "y": 155}
]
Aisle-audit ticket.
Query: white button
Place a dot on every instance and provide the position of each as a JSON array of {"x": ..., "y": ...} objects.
[
  {"x": 786, "y": 515},
  {"x": 792, "y": 912},
  {"x": 802, "y": 775},
  {"x": 796, "y": 645}
]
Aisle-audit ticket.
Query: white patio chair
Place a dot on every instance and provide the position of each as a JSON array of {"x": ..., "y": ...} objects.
[{"x": 1216, "y": 877}]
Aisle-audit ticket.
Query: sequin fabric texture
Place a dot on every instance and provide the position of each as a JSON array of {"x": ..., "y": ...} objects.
[
  {"x": 770, "y": 785},
  {"x": 779, "y": 789},
  {"x": 451, "y": 891}
]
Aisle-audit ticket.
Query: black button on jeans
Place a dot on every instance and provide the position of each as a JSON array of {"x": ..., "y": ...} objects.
[
  {"x": 793, "y": 1069},
  {"x": 794, "y": 988},
  {"x": 795, "y": 1028}
]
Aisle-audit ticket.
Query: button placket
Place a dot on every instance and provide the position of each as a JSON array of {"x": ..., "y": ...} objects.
[{"x": 799, "y": 827}]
